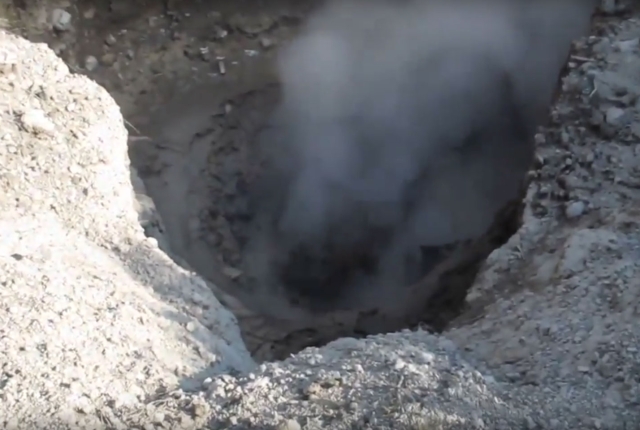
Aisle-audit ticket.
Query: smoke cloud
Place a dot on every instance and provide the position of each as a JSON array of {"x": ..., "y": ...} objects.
[{"x": 403, "y": 124}]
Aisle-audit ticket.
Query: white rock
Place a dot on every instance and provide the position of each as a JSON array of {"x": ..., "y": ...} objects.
[
  {"x": 36, "y": 121},
  {"x": 61, "y": 19},
  {"x": 615, "y": 115},
  {"x": 90, "y": 63},
  {"x": 575, "y": 209}
]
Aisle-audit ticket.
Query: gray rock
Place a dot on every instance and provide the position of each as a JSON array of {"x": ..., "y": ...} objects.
[
  {"x": 61, "y": 19},
  {"x": 90, "y": 63},
  {"x": 617, "y": 117}
]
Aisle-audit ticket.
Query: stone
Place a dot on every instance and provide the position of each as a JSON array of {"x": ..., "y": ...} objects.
[
  {"x": 61, "y": 19},
  {"x": 575, "y": 209},
  {"x": 90, "y": 63}
]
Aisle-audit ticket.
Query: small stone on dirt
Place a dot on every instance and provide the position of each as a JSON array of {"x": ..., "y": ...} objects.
[
  {"x": 36, "y": 121},
  {"x": 266, "y": 42},
  {"x": 110, "y": 40},
  {"x": 108, "y": 59},
  {"x": 90, "y": 63},
  {"x": 89, "y": 13},
  {"x": 61, "y": 19},
  {"x": 627, "y": 45},
  {"x": 251, "y": 25},
  {"x": 289, "y": 425},
  {"x": 232, "y": 272},
  {"x": 219, "y": 33},
  {"x": 616, "y": 116},
  {"x": 575, "y": 209}
]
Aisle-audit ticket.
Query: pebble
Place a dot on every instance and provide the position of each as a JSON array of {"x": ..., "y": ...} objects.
[
  {"x": 575, "y": 209},
  {"x": 627, "y": 45},
  {"x": 89, "y": 13},
  {"x": 108, "y": 59},
  {"x": 36, "y": 121},
  {"x": 231, "y": 272},
  {"x": 289, "y": 425},
  {"x": 110, "y": 40},
  {"x": 90, "y": 63},
  {"x": 207, "y": 382},
  {"x": 61, "y": 19},
  {"x": 266, "y": 43},
  {"x": 615, "y": 116}
]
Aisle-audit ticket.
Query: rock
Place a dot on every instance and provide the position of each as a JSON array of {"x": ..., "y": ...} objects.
[
  {"x": 108, "y": 59},
  {"x": 61, "y": 19},
  {"x": 266, "y": 42},
  {"x": 36, "y": 121},
  {"x": 575, "y": 209},
  {"x": 89, "y": 13},
  {"x": 289, "y": 425},
  {"x": 110, "y": 40},
  {"x": 253, "y": 24},
  {"x": 616, "y": 116},
  {"x": 90, "y": 63},
  {"x": 95, "y": 310},
  {"x": 627, "y": 45},
  {"x": 609, "y": 6},
  {"x": 219, "y": 33}
]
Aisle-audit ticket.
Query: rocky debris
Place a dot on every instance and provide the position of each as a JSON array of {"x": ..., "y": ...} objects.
[
  {"x": 95, "y": 319},
  {"x": 557, "y": 307}
]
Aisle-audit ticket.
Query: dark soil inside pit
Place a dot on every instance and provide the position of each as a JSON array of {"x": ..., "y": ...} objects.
[
  {"x": 228, "y": 213},
  {"x": 196, "y": 84}
]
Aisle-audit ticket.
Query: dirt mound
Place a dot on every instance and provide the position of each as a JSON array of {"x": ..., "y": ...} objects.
[{"x": 95, "y": 318}]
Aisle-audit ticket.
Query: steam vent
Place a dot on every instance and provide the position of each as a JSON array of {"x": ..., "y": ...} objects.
[{"x": 305, "y": 214}]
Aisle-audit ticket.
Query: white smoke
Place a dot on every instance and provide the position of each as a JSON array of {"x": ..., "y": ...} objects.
[{"x": 414, "y": 118}]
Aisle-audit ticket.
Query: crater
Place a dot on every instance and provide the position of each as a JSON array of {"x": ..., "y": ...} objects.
[
  {"x": 221, "y": 164},
  {"x": 206, "y": 172}
]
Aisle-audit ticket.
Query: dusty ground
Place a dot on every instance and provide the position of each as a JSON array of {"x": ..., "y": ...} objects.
[{"x": 97, "y": 324}]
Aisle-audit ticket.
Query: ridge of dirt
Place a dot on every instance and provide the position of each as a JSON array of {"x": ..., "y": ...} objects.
[{"x": 94, "y": 318}]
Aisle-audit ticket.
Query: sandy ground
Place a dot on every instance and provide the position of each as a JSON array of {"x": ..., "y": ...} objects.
[{"x": 100, "y": 329}]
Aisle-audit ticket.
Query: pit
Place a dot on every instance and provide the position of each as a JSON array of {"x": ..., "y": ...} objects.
[{"x": 203, "y": 99}]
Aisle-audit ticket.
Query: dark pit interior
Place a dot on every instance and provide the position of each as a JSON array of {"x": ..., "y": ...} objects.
[
  {"x": 205, "y": 198},
  {"x": 214, "y": 178},
  {"x": 202, "y": 98}
]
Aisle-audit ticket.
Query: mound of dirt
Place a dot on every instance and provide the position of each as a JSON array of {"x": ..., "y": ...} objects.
[{"x": 95, "y": 318}]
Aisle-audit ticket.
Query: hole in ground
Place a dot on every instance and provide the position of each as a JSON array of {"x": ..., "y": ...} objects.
[
  {"x": 221, "y": 190},
  {"x": 201, "y": 169}
]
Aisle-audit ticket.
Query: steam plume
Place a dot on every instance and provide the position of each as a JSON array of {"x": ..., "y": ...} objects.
[{"x": 410, "y": 121}]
